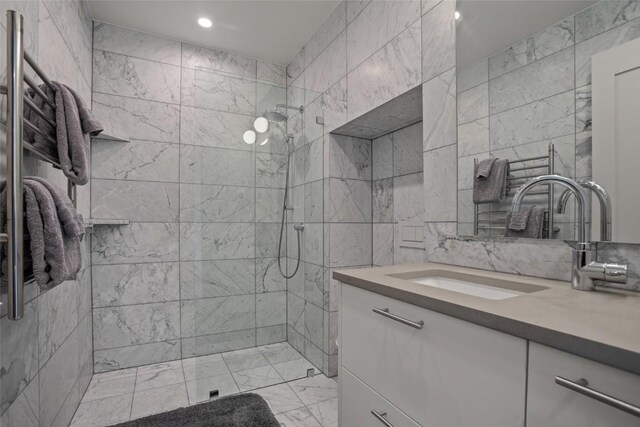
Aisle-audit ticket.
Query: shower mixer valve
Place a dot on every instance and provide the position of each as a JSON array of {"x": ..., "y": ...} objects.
[{"x": 299, "y": 226}]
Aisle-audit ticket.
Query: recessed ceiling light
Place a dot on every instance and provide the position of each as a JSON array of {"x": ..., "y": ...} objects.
[
  {"x": 205, "y": 22},
  {"x": 456, "y": 15}
]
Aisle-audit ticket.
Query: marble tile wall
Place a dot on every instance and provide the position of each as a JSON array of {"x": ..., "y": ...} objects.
[
  {"x": 194, "y": 272},
  {"x": 46, "y": 358},
  {"x": 551, "y": 73}
]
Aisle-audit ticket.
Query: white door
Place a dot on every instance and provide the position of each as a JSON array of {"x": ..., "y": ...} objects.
[{"x": 616, "y": 136}]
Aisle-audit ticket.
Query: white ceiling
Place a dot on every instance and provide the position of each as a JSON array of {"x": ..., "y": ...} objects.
[
  {"x": 488, "y": 26},
  {"x": 271, "y": 30}
]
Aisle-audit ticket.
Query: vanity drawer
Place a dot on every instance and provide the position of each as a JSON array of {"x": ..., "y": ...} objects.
[
  {"x": 552, "y": 405},
  {"x": 449, "y": 373},
  {"x": 359, "y": 403}
]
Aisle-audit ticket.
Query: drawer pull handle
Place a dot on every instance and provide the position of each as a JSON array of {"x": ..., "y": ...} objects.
[
  {"x": 385, "y": 312},
  {"x": 580, "y": 386},
  {"x": 380, "y": 417}
]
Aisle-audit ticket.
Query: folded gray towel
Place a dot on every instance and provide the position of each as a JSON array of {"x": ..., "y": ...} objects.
[
  {"x": 55, "y": 253},
  {"x": 75, "y": 124},
  {"x": 534, "y": 227},
  {"x": 518, "y": 220},
  {"x": 483, "y": 168},
  {"x": 67, "y": 213},
  {"x": 493, "y": 188}
]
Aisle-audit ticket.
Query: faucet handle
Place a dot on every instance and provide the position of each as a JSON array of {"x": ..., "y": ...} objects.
[{"x": 607, "y": 272}]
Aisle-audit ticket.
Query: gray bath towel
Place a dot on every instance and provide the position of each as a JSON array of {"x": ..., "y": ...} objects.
[
  {"x": 75, "y": 124},
  {"x": 67, "y": 213},
  {"x": 483, "y": 168},
  {"x": 492, "y": 188},
  {"x": 56, "y": 255},
  {"x": 534, "y": 224},
  {"x": 518, "y": 220}
]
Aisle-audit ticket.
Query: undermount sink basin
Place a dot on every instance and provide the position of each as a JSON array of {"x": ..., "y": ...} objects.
[{"x": 477, "y": 286}]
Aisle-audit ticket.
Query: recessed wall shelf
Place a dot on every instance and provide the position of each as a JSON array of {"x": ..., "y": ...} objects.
[
  {"x": 107, "y": 221},
  {"x": 110, "y": 136}
]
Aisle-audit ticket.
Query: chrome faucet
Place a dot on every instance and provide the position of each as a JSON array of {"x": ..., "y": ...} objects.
[
  {"x": 605, "y": 206},
  {"x": 584, "y": 270}
]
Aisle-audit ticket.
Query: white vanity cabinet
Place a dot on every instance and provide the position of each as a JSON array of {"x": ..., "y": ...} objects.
[
  {"x": 449, "y": 373},
  {"x": 552, "y": 405}
]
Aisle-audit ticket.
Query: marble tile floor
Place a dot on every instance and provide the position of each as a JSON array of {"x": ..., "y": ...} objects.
[{"x": 277, "y": 372}]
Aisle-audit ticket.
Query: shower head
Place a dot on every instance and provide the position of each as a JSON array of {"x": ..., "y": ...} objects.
[{"x": 275, "y": 115}]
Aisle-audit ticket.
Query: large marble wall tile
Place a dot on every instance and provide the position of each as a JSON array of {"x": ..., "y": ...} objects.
[
  {"x": 439, "y": 111},
  {"x": 271, "y": 170},
  {"x": 137, "y": 78},
  {"x": 391, "y": 71},
  {"x": 268, "y": 277},
  {"x": 57, "y": 378},
  {"x": 408, "y": 203},
  {"x": 548, "y": 259},
  {"x": 403, "y": 254},
  {"x": 295, "y": 313},
  {"x": 565, "y": 157},
  {"x": 533, "y": 48},
  {"x": 138, "y": 119},
  {"x": 218, "y": 343},
  {"x": 465, "y": 169},
  {"x": 335, "y": 106},
  {"x": 354, "y": 7},
  {"x": 308, "y": 162},
  {"x": 440, "y": 174},
  {"x": 269, "y": 204},
  {"x": 407, "y": 150},
  {"x": 540, "y": 120},
  {"x": 382, "y": 157},
  {"x": 56, "y": 318},
  {"x": 473, "y": 75},
  {"x": 350, "y": 245},
  {"x": 267, "y": 236},
  {"x": 549, "y": 76},
  {"x": 124, "y": 41},
  {"x": 586, "y": 49},
  {"x": 135, "y": 243},
  {"x": 295, "y": 67},
  {"x": 327, "y": 32},
  {"x": 135, "y": 324},
  {"x": 473, "y": 104},
  {"x": 24, "y": 410},
  {"x": 328, "y": 68},
  {"x": 314, "y": 325},
  {"x": 268, "y": 95},
  {"x": 205, "y": 279},
  {"x": 314, "y": 284},
  {"x": 216, "y": 203},
  {"x": 314, "y": 201},
  {"x": 382, "y": 244},
  {"x": 136, "y": 355},
  {"x": 134, "y": 200},
  {"x": 604, "y": 16},
  {"x": 204, "y": 165},
  {"x": 376, "y": 25},
  {"x": 271, "y": 309},
  {"x": 268, "y": 72},
  {"x": 583, "y": 109},
  {"x": 473, "y": 137},
  {"x": 83, "y": 300},
  {"x": 214, "y": 315},
  {"x": 53, "y": 54},
  {"x": 217, "y": 60},
  {"x": 313, "y": 119},
  {"x": 382, "y": 204},
  {"x": 18, "y": 354},
  {"x": 210, "y": 241},
  {"x": 127, "y": 284},
  {"x": 438, "y": 40},
  {"x": 271, "y": 334},
  {"x": 349, "y": 200},
  {"x": 136, "y": 160},
  {"x": 222, "y": 92},
  {"x": 583, "y": 155},
  {"x": 211, "y": 128},
  {"x": 312, "y": 243},
  {"x": 347, "y": 157}
]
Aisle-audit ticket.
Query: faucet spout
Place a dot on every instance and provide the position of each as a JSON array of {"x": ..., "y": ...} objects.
[
  {"x": 584, "y": 270},
  {"x": 605, "y": 206}
]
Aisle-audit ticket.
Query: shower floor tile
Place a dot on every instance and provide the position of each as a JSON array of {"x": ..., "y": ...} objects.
[{"x": 119, "y": 396}]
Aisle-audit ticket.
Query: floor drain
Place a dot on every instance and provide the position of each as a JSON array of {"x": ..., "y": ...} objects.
[
  {"x": 213, "y": 394},
  {"x": 311, "y": 372}
]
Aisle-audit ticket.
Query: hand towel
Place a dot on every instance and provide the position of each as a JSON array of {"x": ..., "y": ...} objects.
[
  {"x": 534, "y": 227},
  {"x": 493, "y": 188},
  {"x": 55, "y": 252},
  {"x": 483, "y": 168},
  {"x": 69, "y": 217},
  {"x": 75, "y": 124},
  {"x": 518, "y": 220}
]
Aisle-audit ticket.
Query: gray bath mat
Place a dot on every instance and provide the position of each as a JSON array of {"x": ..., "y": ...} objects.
[{"x": 242, "y": 410}]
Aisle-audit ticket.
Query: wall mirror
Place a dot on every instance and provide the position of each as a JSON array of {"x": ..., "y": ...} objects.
[{"x": 548, "y": 87}]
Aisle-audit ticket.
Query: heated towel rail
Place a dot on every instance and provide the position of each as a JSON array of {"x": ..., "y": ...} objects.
[
  {"x": 14, "y": 90},
  {"x": 491, "y": 221}
]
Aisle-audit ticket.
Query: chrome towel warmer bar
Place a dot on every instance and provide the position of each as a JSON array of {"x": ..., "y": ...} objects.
[{"x": 14, "y": 90}]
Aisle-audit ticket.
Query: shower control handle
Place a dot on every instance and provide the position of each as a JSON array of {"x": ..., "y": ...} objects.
[{"x": 298, "y": 226}]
